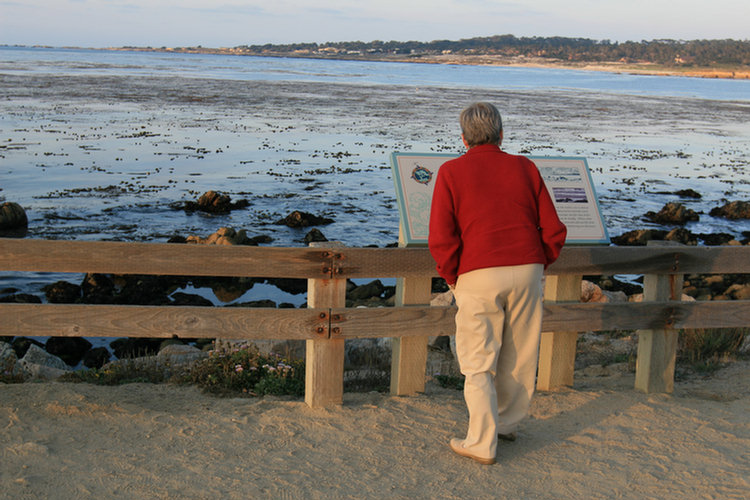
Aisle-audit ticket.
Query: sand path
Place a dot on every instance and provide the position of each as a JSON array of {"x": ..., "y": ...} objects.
[{"x": 599, "y": 440}]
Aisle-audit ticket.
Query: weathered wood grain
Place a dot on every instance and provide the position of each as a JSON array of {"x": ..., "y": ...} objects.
[{"x": 57, "y": 320}]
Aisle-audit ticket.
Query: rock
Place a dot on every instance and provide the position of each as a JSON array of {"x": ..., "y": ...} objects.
[
  {"x": 20, "y": 298},
  {"x": 302, "y": 219},
  {"x": 590, "y": 292},
  {"x": 314, "y": 235},
  {"x": 21, "y": 345},
  {"x": 733, "y": 210},
  {"x": 672, "y": 213},
  {"x": 190, "y": 299},
  {"x": 98, "y": 289},
  {"x": 287, "y": 349},
  {"x": 372, "y": 289},
  {"x": 368, "y": 353},
  {"x": 180, "y": 355},
  {"x": 688, "y": 193},
  {"x": 70, "y": 349},
  {"x": 255, "y": 303},
  {"x": 715, "y": 239},
  {"x": 738, "y": 291},
  {"x": 223, "y": 236},
  {"x": 96, "y": 357},
  {"x": 639, "y": 237},
  {"x": 295, "y": 286},
  {"x": 638, "y": 297},
  {"x": 135, "y": 347},
  {"x": 8, "y": 359},
  {"x": 443, "y": 299},
  {"x": 214, "y": 203},
  {"x": 13, "y": 217},
  {"x": 62, "y": 292},
  {"x": 681, "y": 235},
  {"x": 39, "y": 364}
]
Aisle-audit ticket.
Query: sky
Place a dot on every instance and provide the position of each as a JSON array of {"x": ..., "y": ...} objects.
[{"x": 229, "y": 23}]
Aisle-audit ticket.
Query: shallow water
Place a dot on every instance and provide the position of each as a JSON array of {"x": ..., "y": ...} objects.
[{"x": 102, "y": 149}]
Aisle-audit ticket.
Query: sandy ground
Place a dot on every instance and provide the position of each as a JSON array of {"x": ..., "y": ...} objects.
[{"x": 601, "y": 439}]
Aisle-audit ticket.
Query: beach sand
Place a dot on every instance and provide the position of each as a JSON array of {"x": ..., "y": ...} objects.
[{"x": 600, "y": 439}]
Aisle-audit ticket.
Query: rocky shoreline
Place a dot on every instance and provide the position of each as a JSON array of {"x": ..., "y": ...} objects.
[{"x": 29, "y": 358}]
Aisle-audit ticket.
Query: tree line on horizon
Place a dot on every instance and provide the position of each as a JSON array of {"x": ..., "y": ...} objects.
[{"x": 664, "y": 51}]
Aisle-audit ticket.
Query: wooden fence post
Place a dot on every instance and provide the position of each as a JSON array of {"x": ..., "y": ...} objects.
[
  {"x": 409, "y": 354},
  {"x": 657, "y": 349},
  {"x": 557, "y": 350},
  {"x": 324, "y": 357}
]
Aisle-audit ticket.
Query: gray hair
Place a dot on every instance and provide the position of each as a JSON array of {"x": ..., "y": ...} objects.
[{"x": 481, "y": 124}]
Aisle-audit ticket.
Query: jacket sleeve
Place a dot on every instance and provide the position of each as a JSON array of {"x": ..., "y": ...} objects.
[
  {"x": 551, "y": 229},
  {"x": 445, "y": 236}
]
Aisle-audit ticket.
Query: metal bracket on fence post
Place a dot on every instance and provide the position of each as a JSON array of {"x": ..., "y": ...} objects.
[{"x": 324, "y": 367}]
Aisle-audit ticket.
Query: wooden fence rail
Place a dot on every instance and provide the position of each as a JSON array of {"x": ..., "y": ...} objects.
[{"x": 326, "y": 323}]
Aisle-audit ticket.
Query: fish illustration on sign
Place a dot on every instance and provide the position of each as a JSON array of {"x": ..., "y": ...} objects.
[{"x": 421, "y": 174}]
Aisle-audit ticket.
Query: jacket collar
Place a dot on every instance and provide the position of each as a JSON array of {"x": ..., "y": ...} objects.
[{"x": 482, "y": 148}]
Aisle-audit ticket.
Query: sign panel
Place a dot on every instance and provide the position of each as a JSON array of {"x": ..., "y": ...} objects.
[{"x": 567, "y": 178}]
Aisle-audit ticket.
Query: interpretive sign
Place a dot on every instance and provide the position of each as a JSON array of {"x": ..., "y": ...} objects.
[{"x": 567, "y": 178}]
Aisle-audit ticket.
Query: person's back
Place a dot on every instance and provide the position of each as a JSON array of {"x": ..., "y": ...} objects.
[{"x": 493, "y": 229}]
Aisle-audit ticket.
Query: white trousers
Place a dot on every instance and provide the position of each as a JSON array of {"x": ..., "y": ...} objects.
[{"x": 498, "y": 326}]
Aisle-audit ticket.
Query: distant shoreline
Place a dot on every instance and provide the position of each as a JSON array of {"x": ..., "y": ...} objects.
[
  {"x": 731, "y": 73},
  {"x": 633, "y": 68}
]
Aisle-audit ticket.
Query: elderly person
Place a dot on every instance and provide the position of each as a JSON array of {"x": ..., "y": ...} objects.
[{"x": 493, "y": 231}]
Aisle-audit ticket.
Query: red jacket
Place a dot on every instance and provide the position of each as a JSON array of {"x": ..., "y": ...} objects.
[{"x": 489, "y": 209}]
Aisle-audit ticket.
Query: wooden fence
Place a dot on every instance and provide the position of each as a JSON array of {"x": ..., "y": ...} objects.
[{"x": 326, "y": 323}]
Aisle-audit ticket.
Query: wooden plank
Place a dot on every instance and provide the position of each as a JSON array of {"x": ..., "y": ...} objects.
[
  {"x": 376, "y": 322},
  {"x": 212, "y": 260},
  {"x": 266, "y": 323},
  {"x": 657, "y": 348},
  {"x": 646, "y": 315},
  {"x": 557, "y": 349},
  {"x": 57, "y": 320},
  {"x": 409, "y": 354},
  {"x": 386, "y": 263},
  {"x": 579, "y": 317},
  {"x": 161, "y": 259},
  {"x": 324, "y": 365},
  {"x": 651, "y": 260}
]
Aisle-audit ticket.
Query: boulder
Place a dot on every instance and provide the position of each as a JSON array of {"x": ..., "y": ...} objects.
[
  {"x": 96, "y": 357},
  {"x": 591, "y": 292},
  {"x": 180, "y": 354},
  {"x": 688, "y": 193},
  {"x": 21, "y": 345},
  {"x": 13, "y": 217},
  {"x": 190, "y": 299},
  {"x": 135, "y": 347},
  {"x": 39, "y": 364},
  {"x": 681, "y": 235},
  {"x": 223, "y": 236},
  {"x": 214, "y": 203},
  {"x": 62, "y": 292},
  {"x": 733, "y": 210},
  {"x": 302, "y": 219},
  {"x": 70, "y": 349},
  {"x": 363, "y": 292},
  {"x": 8, "y": 359},
  {"x": 672, "y": 213},
  {"x": 21, "y": 298},
  {"x": 314, "y": 235},
  {"x": 639, "y": 237},
  {"x": 715, "y": 239}
]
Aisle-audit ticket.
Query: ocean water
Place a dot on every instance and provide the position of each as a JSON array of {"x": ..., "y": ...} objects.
[{"x": 106, "y": 145}]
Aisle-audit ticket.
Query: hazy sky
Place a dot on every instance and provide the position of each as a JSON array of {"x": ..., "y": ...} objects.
[{"x": 228, "y": 23}]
